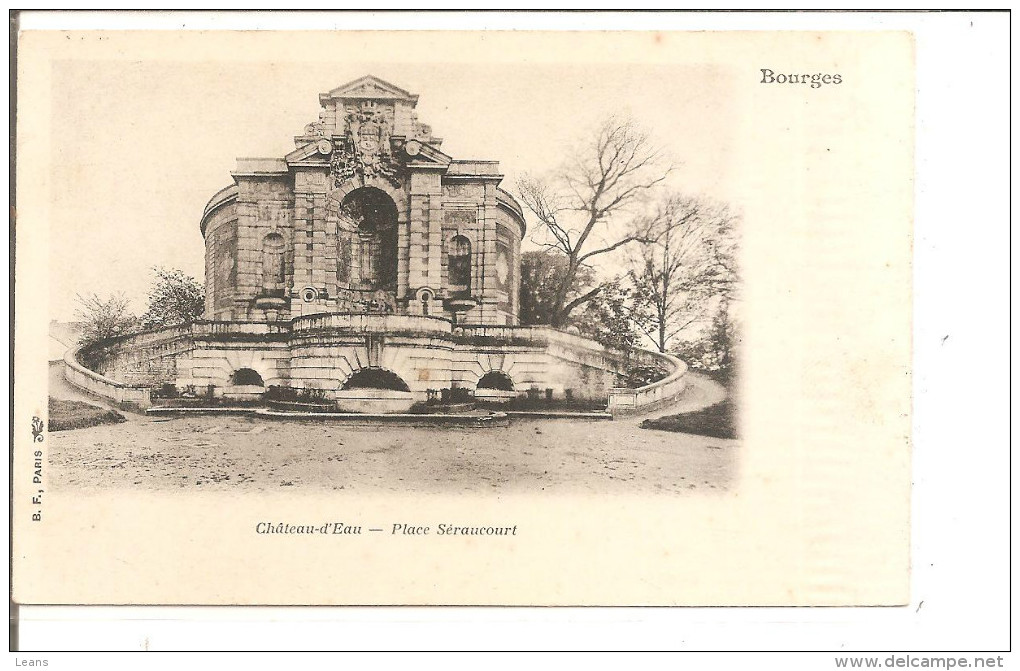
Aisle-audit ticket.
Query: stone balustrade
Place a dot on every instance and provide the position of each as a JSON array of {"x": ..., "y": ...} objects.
[
  {"x": 213, "y": 329},
  {"x": 539, "y": 335},
  {"x": 371, "y": 323},
  {"x": 621, "y": 399}
]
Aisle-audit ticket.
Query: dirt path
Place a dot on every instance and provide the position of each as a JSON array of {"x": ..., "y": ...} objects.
[{"x": 701, "y": 392}]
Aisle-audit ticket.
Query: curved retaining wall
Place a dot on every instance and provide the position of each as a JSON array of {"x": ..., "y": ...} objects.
[
  {"x": 657, "y": 394},
  {"x": 124, "y": 395},
  {"x": 540, "y": 353},
  {"x": 622, "y": 400}
]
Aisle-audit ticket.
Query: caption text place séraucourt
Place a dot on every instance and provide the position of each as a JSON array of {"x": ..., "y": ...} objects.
[{"x": 400, "y": 529}]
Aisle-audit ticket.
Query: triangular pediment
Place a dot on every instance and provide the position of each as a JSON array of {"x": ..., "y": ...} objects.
[
  {"x": 427, "y": 154},
  {"x": 369, "y": 87},
  {"x": 309, "y": 152}
]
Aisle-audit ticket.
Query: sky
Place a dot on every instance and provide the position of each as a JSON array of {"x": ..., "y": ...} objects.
[{"x": 139, "y": 143}]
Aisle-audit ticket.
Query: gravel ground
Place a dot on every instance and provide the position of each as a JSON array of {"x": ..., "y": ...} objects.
[{"x": 246, "y": 454}]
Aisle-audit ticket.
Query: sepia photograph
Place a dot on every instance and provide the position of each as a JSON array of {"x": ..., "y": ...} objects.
[
  {"x": 364, "y": 312},
  {"x": 481, "y": 318}
]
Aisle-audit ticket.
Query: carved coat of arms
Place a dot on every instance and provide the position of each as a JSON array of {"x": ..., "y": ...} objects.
[{"x": 365, "y": 148}]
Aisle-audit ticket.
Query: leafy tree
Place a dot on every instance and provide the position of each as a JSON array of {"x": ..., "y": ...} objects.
[
  {"x": 102, "y": 319},
  {"x": 607, "y": 316},
  {"x": 688, "y": 266},
  {"x": 175, "y": 299},
  {"x": 542, "y": 271},
  {"x": 588, "y": 207},
  {"x": 715, "y": 349}
]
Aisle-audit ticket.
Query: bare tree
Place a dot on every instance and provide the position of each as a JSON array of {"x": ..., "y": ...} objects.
[
  {"x": 684, "y": 269},
  {"x": 103, "y": 319},
  {"x": 589, "y": 207}
]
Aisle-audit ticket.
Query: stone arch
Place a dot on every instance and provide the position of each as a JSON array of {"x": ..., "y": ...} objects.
[
  {"x": 266, "y": 367},
  {"x": 246, "y": 377},
  {"x": 346, "y": 187},
  {"x": 374, "y": 216},
  {"x": 374, "y": 377},
  {"x": 493, "y": 361},
  {"x": 495, "y": 379}
]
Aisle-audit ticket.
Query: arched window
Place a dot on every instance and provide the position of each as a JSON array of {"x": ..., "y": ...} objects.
[
  {"x": 274, "y": 273},
  {"x": 459, "y": 266},
  {"x": 374, "y": 215}
]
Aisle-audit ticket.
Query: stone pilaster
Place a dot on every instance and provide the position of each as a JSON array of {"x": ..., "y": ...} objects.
[
  {"x": 314, "y": 246},
  {"x": 425, "y": 227}
]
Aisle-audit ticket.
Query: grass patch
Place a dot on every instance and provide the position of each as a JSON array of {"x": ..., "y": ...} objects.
[
  {"x": 717, "y": 421},
  {"x": 65, "y": 415}
]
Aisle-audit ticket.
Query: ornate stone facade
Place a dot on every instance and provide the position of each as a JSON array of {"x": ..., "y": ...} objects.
[
  {"x": 366, "y": 255},
  {"x": 367, "y": 214}
]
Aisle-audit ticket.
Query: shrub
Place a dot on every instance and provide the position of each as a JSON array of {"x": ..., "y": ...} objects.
[
  {"x": 292, "y": 395},
  {"x": 376, "y": 378},
  {"x": 167, "y": 390},
  {"x": 456, "y": 395},
  {"x": 541, "y": 403},
  {"x": 276, "y": 392},
  {"x": 313, "y": 396},
  {"x": 641, "y": 376}
]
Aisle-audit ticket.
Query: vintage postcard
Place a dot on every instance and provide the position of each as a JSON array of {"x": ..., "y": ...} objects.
[{"x": 463, "y": 318}]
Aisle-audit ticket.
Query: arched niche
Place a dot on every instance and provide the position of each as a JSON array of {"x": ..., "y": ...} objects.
[
  {"x": 458, "y": 266},
  {"x": 274, "y": 269},
  {"x": 370, "y": 216}
]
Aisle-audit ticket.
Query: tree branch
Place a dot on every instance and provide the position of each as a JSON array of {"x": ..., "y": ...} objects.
[{"x": 568, "y": 308}]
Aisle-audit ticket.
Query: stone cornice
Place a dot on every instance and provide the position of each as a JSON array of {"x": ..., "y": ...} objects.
[
  {"x": 260, "y": 167},
  {"x": 224, "y": 196},
  {"x": 505, "y": 200}
]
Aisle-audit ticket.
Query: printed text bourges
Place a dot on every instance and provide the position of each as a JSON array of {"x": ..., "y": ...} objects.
[{"x": 816, "y": 80}]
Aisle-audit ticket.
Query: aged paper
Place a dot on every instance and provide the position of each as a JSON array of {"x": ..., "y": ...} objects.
[{"x": 809, "y": 506}]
